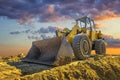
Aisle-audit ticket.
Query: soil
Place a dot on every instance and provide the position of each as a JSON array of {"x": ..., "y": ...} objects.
[{"x": 95, "y": 68}]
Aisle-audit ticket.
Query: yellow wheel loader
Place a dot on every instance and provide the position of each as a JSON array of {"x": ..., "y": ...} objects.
[{"x": 60, "y": 50}]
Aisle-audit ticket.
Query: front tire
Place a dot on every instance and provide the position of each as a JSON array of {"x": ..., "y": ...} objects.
[{"x": 81, "y": 46}]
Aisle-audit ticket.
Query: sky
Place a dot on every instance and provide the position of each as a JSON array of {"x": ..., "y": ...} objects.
[{"x": 24, "y": 21}]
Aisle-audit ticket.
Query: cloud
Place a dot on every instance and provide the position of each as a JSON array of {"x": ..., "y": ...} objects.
[
  {"x": 40, "y": 37},
  {"x": 98, "y": 26},
  {"x": 34, "y": 37},
  {"x": 26, "y": 11},
  {"x": 112, "y": 42},
  {"x": 50, "y": 9},
  {"x": 19, "y": 32},
  {"x": 15, "y": 32},
  {"x": 39, "y": 34},
  {"x": 26, "y": 19},
  {"x": 49, "y": 29},
  {"x": 59, "y": 28},
  {"x": 106, "y": 15}
]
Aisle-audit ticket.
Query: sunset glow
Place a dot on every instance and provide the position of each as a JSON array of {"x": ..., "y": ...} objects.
[{"x": 24, "y": 21}]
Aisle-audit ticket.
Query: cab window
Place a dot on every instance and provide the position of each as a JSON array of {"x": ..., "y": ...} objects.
[
  {"x": 81, "y": 24},
  {"x": 92, "y": 25},
  {"x": 88, "y": 24}
]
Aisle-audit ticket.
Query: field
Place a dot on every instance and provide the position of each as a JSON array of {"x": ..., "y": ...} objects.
[{"x": 94, "y": 68}]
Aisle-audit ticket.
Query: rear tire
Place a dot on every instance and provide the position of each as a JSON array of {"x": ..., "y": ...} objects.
[
  {"x": 81, "y": 46},
  {"x": 100, "y": 47}
]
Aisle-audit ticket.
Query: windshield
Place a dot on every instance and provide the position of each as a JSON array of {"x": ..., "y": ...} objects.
[
  {"x": 81, "y": 24},
  {"x": 88, "y": 24}
]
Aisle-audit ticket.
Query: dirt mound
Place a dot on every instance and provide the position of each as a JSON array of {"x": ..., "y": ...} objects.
[
  {"x": 96, "y": 68},
  {"x": 8, "y": 72}
]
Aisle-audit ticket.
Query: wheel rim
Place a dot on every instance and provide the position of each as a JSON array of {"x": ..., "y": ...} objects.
[{"x": 85, "y": 47}]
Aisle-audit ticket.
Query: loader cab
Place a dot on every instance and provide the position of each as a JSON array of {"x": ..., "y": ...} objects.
[
  {"x": 86, "y": 23},
  {"x": 87, "y": 26}
]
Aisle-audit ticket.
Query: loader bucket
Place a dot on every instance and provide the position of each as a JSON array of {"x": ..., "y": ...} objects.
[{"x": 54, "y": 51}]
